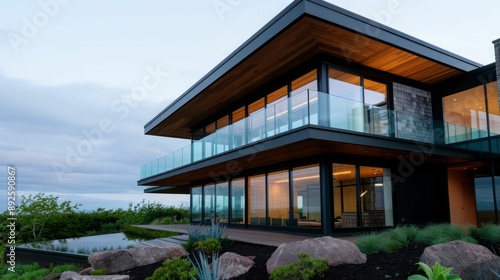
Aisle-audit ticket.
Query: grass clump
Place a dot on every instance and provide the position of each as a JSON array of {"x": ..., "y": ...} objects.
[
  {"x": 174, "y": 269},
  {"x": 436, "y": 273},
  {"x": 306, "y": 268},
  {"x": 65, "y": 267},
  {"x": 487, "y": 232},
  {"x": 389, "y": 241},
  {"x": 442, "y": 233}
]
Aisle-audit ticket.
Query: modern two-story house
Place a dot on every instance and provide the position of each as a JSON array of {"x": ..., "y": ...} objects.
[{"x": 325, "y": 121}]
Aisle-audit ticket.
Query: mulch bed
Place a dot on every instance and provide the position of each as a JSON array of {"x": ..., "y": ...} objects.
[{"x": 399, "y": 265}]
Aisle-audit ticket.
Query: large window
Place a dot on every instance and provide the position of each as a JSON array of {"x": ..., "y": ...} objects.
[
  {"x": 464, "y": 114},
  {"x": 306, "y": 197},
  {"x": 238, "y": 201},
  {"x": 209, "y": 199},
  {"x": 485, "y": 206},
  {"x": 366, "y": 202},
  {"x": 196, "y": 204},
  {"x": 257, "y": 200},
  {"x": 493, "y": 108},
  {"x": 222, "y": 202},
  {"x": 278, "y": 196}
]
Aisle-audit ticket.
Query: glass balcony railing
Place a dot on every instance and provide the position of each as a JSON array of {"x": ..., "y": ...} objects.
[{"x": 310, "y": 108}]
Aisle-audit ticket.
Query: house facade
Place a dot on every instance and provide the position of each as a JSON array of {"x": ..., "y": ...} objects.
[{"x": 325, "y": 121}]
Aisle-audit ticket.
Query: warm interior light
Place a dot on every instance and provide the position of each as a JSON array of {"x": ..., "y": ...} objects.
[
  {"x": 363, "y": 193},
  {"x": 293, "y": 108},
  {"x": 342, "y": 172},
  {"x": 379, "y": 184},
  {"x": 298, "y": 179}
]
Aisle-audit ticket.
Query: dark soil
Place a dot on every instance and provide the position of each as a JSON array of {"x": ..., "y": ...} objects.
[{"x": 399, "y": 265}]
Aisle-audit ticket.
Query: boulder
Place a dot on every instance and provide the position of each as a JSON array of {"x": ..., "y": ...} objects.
[
  {"x": 113, "y": 260},
  {"x": 234, "y": 265},
  {"x": 70, "y": 275},
  {"x": 153, "y": 254},
  {"x": 336, "y": 251},
  {"x": 468, "y": 260},
  {"x": 121, "y": 260}
]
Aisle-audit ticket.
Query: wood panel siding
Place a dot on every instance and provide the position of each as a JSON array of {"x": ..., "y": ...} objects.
[{"x": 306, "y": 38}]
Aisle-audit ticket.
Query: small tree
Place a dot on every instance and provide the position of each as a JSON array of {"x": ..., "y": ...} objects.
[{"x": 37, "y": 209}]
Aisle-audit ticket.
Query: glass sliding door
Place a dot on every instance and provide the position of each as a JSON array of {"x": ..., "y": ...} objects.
[
  {"x": 278, "y": 197},
  {"x": 222, "y": 202},
  {"x": 238, "y": 201},
  {"x": 209, "y": 200},
  {"x": 196, "y": 204},
  {"x": 306, "y": 197},
  {"x": 257, "y": 200},
  {"x": 345, "y": 198},
  {"x": 362, "y": 199},
  {"x": 376, "y": 196}
]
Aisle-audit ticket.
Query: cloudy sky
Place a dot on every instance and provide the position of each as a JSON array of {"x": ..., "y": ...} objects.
[{"x": 70, "y": 73}]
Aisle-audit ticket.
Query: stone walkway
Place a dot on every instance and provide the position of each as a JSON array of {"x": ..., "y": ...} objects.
[{"x": 269, "y": 238}]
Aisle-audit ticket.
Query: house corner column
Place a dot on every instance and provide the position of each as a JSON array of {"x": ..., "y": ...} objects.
[{"x": 497, "y": 58}]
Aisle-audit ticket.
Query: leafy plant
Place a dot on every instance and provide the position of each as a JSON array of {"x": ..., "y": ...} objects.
[
  {"x": 37, "y": 209},
  {"x": 100, "y": 271},
  {"x": 205, "y": 271},
  {"x": 436, "y": 273},
  {"x": 208, "y": 246},
  {"x": 174, "y": 269},
  {"x": 306, "y": 268}
]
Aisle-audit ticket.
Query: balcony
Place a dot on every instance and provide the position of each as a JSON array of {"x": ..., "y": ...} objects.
[{"x": 312, "y": 108}]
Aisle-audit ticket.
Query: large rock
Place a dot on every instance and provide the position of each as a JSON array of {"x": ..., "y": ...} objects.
[
  {"x": 70, "y": 275},
  {"x": 153, "y": 254},
  {"x": 234, "y": 265},
  {"x": 113, "y": 260},
  {"x": 122, "y": 260},
  {"x": 336, "y": 251},
  {"x": 469, "y": 261}
]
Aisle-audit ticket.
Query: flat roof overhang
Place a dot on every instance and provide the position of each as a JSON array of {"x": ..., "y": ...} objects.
[
  {"x": 305, "y": 29},
  {"x": 305, "y": 142}
]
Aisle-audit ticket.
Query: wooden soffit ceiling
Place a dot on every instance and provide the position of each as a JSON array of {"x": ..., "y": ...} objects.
[{"x": 303, "y": 40}]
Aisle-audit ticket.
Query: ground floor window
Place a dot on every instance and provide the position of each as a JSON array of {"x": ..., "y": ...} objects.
[
  {"x": 362, "y": 196},
  {"x": 485, "y": 204}
]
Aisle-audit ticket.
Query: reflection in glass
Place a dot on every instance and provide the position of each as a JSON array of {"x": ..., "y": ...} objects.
[
  {"x": 222, "y": 202},
  {"x": 209, "y": 195},
  {"x": 493, "y": 108},
  {"x": 484, "y": 199},
  {"x": 464, "y": 114},
  {"x": 344, "y": 192},
  {"x": 196, "y": 204},
  {"x": 306, "y": 197},
  {"x": 238, "y": 201}
]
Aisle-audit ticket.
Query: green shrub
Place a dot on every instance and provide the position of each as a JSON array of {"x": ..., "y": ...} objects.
[
  {"x": 436, "y": 273},
  {"x": 65, "y": 267},
  {"x": 174, "y": 269},
  {"x": 208, "y": 246},
  {"x": 306, "y": 268},
  {"x": 145, "y": 233},
  {"x": 101, "y": 271}
]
